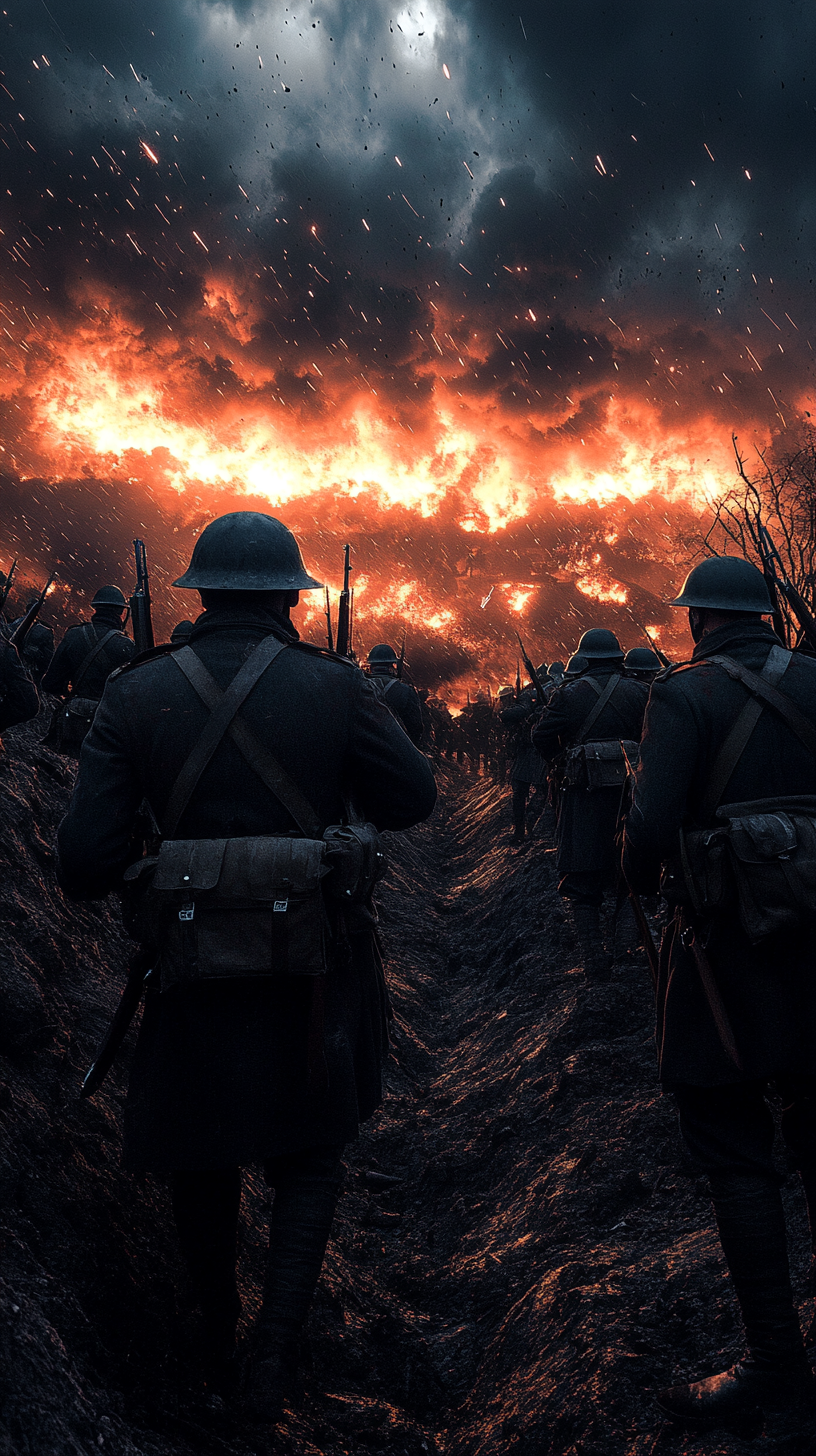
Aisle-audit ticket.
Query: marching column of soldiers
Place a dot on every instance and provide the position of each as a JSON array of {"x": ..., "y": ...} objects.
[{"x": 233, "y": 785}]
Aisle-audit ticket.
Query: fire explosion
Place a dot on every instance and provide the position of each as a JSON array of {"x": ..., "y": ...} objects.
[{"x": 508, "y": 433}]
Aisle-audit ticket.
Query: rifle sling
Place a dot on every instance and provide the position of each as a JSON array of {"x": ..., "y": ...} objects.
[
  {"x": 762, "y": 688},
  {"x": 95, "y": 652},
  {"x": 224, "y": 707},
  {"x": 604, "y": 694}
]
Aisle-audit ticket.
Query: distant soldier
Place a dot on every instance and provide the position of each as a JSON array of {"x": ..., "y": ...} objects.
[
  {"x": 82, "y": 664},
  {"x": 38, "y": 649},
  {"x": 576, "y": 665},
  {"x": 263, "y": 1033},
  {"x": 528, "y": 770},
  {"x": 642, "y": 663},
  {"x": 555, "y": 673},
  {"x": 476, "y": 721},
  {"x": 584, "y": 723},
  {"x": 18, "y": 695},
  {"x": 441, "y": 725},
  {"x": 505, "y": 698},
  {"x": 397, "y": 694},
  {"x": 727, "y": 782}
]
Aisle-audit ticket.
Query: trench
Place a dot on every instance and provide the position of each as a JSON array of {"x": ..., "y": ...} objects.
[{"x": 522, "y": 1253}]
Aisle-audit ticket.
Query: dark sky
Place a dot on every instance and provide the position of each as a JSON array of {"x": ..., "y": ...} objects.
[{"x": 516, "y": 235}]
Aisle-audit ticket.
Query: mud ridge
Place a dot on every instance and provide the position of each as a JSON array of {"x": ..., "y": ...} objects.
[{"x": 522, "y": 1253}]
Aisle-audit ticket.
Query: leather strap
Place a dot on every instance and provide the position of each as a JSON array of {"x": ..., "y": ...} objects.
[
  {"x": 256, "y": 754},
  {"x": 595, "y": 712},
  {"x": 91, "y": 657},
  {"x": 762, "y": 688}
]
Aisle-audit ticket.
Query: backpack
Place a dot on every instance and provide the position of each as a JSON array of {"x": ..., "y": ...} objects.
[
  {"x": 602, "y": 763},
  {"x": 72, "y": 718},
  {"x": 247, "y": 906},
  {"x": 760, "y": 860}
]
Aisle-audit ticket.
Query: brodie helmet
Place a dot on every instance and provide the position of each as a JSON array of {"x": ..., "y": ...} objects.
[
  {"x": 642, "y": 659},
  {"x": 246, "y": 551},
  {"x": 383, "y": 654},
  {"x": 725, "y": 584},
  {"x": 506, "y": 692},
  {"x": 577, "y": 664},
  {"x": 181, "y": 632},
  {"x": 109, "y": 596},
  {"x": 556, "y": 670},
  {"x": 598, "y": 643}
]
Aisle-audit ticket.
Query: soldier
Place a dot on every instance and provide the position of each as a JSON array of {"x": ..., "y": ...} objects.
[
  {"x": 80, "y": 667},
  {"x": 397, "y": 694},
  {"x": 528, "y": 771},
  {"x": 476, "y": 721},
  {"x": 555, "y": 673},
  {"x": 585, "y": 722},
  {"x": 18, "y": 696},
  {"x": 736, "y": 999},
  {"x": 642, "y": 663},
  {"x": 263, "y": 1031},
  {"x": 39, "y": 644}
]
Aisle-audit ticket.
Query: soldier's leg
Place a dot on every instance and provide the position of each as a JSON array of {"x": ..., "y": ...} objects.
[
  {"x": 799, "y": 1131},
  {"x": 306, "y": 1188},
  {"x": 729, "y": 1133},
  {"x": 584, "y": 890},
  {"x": 520, "y": 792},
  {"x": 205, "y": 1208}
]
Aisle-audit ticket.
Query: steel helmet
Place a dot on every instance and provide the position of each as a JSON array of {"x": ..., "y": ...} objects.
[
  {"x": 576, "y": 665},
  {"x": 599, "y": 642},
  {"x": 556, "y": 669},
  {"x": 725, "y": 584},
  {"x": 181, "y": 632},
  {"x": 246, "y": 551},
  {"x": 542, "y": 670},
  {"x": 642, "y": 659},
  {"x": 505, "y": 692},
  {"x": 109, "y": 596},
  {"x": 382, "y": 653}
]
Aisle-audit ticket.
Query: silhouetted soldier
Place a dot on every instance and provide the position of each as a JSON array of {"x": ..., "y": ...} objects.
[
  {"x": 18, "y": 695},
  {"x": 38, "y": 648},
  {"x": 181, "y": 633},
  {"x": 397, "y": 694},
  {"x": 642, "y": 663},
  {"x": 585, "y": 721},
  {"x": 726, "y": 800},
  {"x": 528, "y": 769},
  {"x": 82, "y": 664},
  {"x": 263, "y": 1032}
]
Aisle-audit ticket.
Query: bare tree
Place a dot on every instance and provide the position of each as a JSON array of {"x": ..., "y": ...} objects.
[{"x": 780, "y": 495}]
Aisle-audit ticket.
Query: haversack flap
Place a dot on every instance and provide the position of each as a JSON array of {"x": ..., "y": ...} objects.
[{"x": 189, "y": 864}]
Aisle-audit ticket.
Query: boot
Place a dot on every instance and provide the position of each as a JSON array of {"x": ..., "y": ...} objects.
[
  {"x": 590, "y": 941},
  {"x": 775, "y": 1374},
  {"x": 306, "y": 1189}
]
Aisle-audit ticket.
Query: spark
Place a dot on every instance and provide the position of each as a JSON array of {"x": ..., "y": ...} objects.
[
  {"x": 365, "y": 225},
  {"x": 149, "y": 152},
  {"x": 201, "y": 241},
  {"x": 708, "y": 149},
  {"x": 446, "y": 73},
  {"x": 486, "y": 599}
]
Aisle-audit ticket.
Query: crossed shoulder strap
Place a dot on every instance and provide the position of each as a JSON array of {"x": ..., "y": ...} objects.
[
  {"x": 764, "y": 693},
  {"x": 224, "y": 708},
  {"x": 96, "y": 651},
  {"x": 604, "y": 694}
]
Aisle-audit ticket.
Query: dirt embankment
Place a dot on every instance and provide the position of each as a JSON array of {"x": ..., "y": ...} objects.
[{"x": 522, "y": 1253}]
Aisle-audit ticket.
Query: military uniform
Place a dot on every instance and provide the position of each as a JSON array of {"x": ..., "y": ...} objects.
[
  {"x": 66, "y": 664},
  {"x": 528, "y": 770},
  {"x": 223, "y": 1072},
  {"x": 586, "y": 820},
  {"x": 402, "y": 699},
  {"x": 733, "y": 1016},
  {"x": 38, "y": 649},
  {"x": 18, "y": 695}
]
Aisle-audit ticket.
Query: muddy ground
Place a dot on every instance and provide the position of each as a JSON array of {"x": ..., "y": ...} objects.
[{"x": 522, "y": 1254}]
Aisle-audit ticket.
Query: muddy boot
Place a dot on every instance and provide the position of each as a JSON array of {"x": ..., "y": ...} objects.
[
  {"x": 594, "y": 958},
  {"x": 306, "y": 1188},
  {"x": 775, "y": 1375}
]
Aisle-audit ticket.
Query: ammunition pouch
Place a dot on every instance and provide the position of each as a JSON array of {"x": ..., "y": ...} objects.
[
  {"x": 213, "y": 909},
  {"x": 760, "y": 864},
  {"x": 604, "y": 763},
  {"x": 69, "y": 725}
]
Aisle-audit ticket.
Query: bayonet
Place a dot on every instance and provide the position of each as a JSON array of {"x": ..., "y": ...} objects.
[
  {"x": 140, "y": 605},
  {"x": 4, "y": 591},
  {"x": 530, "y": 670},
  {"x": 21, "y": 631}
]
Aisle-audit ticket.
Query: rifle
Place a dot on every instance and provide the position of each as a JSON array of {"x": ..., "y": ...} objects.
[
  {"x": 21, "y": 631},
  {"x": 138, "y": 971},
  {"x": 530, "y": 670},
  {"x": 518, "y": 680},
  {"x": 9, "y": 579},
  {"x": 401, "y": 659},
  {"x": 344, "y": 624},
  {"x": 329, "y": 637},
  {"x": 778, "y": 581},
  {"x": 140, "y": 602},
  {"x": 658, "y": 652}
]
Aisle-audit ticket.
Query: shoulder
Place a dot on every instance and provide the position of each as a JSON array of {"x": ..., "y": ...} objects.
[
  {"x": 315, "y": 653},
  {"x": 143, "y": 660}
]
